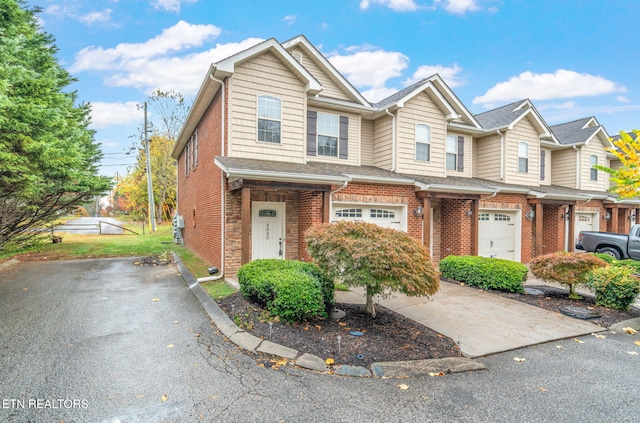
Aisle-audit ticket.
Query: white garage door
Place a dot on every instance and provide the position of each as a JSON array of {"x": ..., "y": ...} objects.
[
  {"x": 585, "y": 222},
  {"x": 386, "y": 216},
  {"x": 497, "y": 234}
]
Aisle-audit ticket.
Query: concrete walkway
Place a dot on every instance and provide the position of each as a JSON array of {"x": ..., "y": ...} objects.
[{"x": 481, "y": 323}]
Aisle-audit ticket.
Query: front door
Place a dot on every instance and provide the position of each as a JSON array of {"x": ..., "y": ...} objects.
[{"x": 267, "y": 230}]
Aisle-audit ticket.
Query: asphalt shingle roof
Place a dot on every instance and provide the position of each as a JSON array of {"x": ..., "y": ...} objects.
[
  {"x": 501, "y": 116},
  {"x": 573, "y": 133},
  {"x": 399, "y": 95}
]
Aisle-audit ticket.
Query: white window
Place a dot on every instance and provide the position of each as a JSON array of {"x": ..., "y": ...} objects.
[
  {"x": 423, "y": 142},
  {"x": 328, "y": 132},
  {"x": 483, "y": 216},
  {"x": 523, "y": 157},
  {"x": 594, "y": 172},
  {"x": 382, "y": 214},
  {"x": 501, "y": 217},
  {"x": 452, "y": 152},
  {"x": 349, "y": 213},
  {"x": 269, "y": 118}
]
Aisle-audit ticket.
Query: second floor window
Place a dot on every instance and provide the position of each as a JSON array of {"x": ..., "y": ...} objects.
[
  {"x": 594, "y": 172},
  {"x": 328, "y": 132},
  {"x": 269, "y": 118},
  {"x": 423, "y": 142},
  {"x": 523, "y": 157},
  {"x": 452, "y": 152}
]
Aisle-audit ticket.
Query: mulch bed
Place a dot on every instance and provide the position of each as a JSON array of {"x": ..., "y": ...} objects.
[
  {"x": 389, "y": 336},
  {"x": 554, "y": 298}
]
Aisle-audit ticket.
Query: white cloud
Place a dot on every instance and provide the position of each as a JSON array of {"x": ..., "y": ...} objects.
[
  {"x": 93, "y": 17},
  {"x": 547, "y": 86},
  {"x": 376, "y": 94},
  {"x": 370, "y": 68},
  {"x": 157, "y": 62},
  {"x": 458, "y": 7},
  {"x": 170, "y": 5},
  {"x": 104, "y": 115},
  {"x": 623, "y": 99},
  {"x": 449, "y": 74},
  {"x": 397, "y": 5},
  {"x": 178, "y": 37},
  {"x": 289, "y": 19},
  {"x": 567, "y": 105}
]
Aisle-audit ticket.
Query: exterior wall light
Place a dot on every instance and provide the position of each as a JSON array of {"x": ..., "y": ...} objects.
[
  {"x": 530, "y": 215},
  {"x": 469, "y": 213},
  {"x": 607, "y": 216},
  {"x": 418, "y": 211}
]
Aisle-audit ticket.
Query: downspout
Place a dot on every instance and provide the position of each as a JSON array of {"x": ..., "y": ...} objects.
[
  {"x": 492, "y": 195},
  {"x": 222, "y": 196},
  {"x": 501, "y": 153},
  {"x": 577, "y": 167},
  {"x": 393, "y": 140}
]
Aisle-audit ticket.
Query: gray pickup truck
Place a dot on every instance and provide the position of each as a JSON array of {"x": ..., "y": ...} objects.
[{"x": 619, "y": 246}]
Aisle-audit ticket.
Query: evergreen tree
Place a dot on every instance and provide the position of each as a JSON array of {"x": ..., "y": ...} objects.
[{"x": 48, "y": 158}]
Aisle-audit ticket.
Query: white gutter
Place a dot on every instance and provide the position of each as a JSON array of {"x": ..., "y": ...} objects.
[
  {"x": 222, "y": 202},
  {"x": 393, "y": 140},
  {"x": 577, "y": 167},
  {"x": 492, "y": 195},
  {"x": 501, "y": 154},
  {"x": 396, "y": 181}
]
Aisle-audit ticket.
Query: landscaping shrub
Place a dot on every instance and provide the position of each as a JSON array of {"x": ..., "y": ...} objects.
[
  {"x": 569, "y": 269},
  {"x": 614, "y": 286},
  {"x": 485, "y": 272},
  {"x": 290, "y": 289},
  {"x": 632, "y": 264},
  {"x": 605, "y": 257},
  {"x": 380, "y": 259}
]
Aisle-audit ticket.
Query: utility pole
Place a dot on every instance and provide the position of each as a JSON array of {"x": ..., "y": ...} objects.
[{"x": 146, "y": 141}]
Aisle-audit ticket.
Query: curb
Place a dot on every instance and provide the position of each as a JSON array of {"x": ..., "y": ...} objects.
[
  {"x": 9, "y": 263},
  {"x": 253, "y": 344}
]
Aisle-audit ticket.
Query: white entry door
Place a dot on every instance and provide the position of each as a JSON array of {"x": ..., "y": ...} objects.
[{"x": 267, "y": 230}]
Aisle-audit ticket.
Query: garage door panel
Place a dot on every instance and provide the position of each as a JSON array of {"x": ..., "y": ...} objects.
[
  {"x": 382, "y": 215},
  {"x": 497, "y": 234},
  {"x": 585, "y": 222}
]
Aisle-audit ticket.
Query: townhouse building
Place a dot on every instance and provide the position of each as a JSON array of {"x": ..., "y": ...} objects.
[{"x": 277, "y": 141}]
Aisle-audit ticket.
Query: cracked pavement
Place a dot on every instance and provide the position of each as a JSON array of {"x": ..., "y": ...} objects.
[{"x": 132, "y": 344}]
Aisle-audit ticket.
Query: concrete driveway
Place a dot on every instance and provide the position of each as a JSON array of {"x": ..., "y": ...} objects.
[{"x": 84, "y": 341}]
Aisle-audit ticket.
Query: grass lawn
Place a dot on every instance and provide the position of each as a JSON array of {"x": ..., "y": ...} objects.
[{"x": 127, "y": 245}]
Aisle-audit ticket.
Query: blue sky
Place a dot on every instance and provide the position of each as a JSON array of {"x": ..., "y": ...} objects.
[{"x": 572, "y": 58}]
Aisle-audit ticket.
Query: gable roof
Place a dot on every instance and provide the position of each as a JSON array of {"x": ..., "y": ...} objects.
[
  {"x": 302, "y": 41},
  {"x": 579, "y": 131},
  {"x": 224, "y": 68},
  {"x": 447, "y": 98},
  {"x": 632, "y": 134},
  {"x": 506, "y": 117}
]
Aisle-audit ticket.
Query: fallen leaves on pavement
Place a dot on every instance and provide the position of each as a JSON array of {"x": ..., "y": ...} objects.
[
  {"x": 436, "y": 374},
  {"x": 403, "y": 387},
  {"x": 630, "y": 331},
  {"x": 164, "y": 398},
  {"x": 519, "y": 359},
  {"x": 598, "y": 336},
  {"x": 632, "y": 352},
  {"x": 579, "y": 341}
]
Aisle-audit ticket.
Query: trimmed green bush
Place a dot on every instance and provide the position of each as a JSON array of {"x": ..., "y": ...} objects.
[
  {"x": 632, "y": 264},
  {"x": 292, "y": 290},
  {"x": 614, "y": 286},
  {"x": 485, "y": 272},
  {"x": 605, "y": 257},
  {"x": 566, "y": 268}
]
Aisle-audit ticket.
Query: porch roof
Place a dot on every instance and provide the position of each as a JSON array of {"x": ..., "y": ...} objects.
[{"x": 336, "y": 174}]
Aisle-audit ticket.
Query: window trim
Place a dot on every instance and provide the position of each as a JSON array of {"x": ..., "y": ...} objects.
[
  {"x": 270, "y": 119},
  {"x": 427, "y": 142},
  {"x": 320, "y": 134},
  {"x": 521, "y": 143},
  {"x": 454, "y": 138},
  {"x": 593, "y": 173}
]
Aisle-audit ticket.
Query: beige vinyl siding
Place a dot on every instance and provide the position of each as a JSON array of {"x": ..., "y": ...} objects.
[
  {"x": 330, "y": 86},
  {"x": 468, "y": 157},
  {"x": 563, "y": 172},
  {"x": 382, "y": 152},
  {"x": 547, "y": 167},
  {"x": 366, "y": 142},
  {"x": 523, "y": 131},
  {"x": 421, "y": 109},
  {"x": 266, "y": 75},
  {"x": 595, "y": 147},
  {"x": 487, "y": 157},
  {"x": 353, "y": 140}
]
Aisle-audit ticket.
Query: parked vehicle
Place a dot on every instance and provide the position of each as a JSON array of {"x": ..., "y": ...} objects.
[{"x": 619, "y": 246}]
